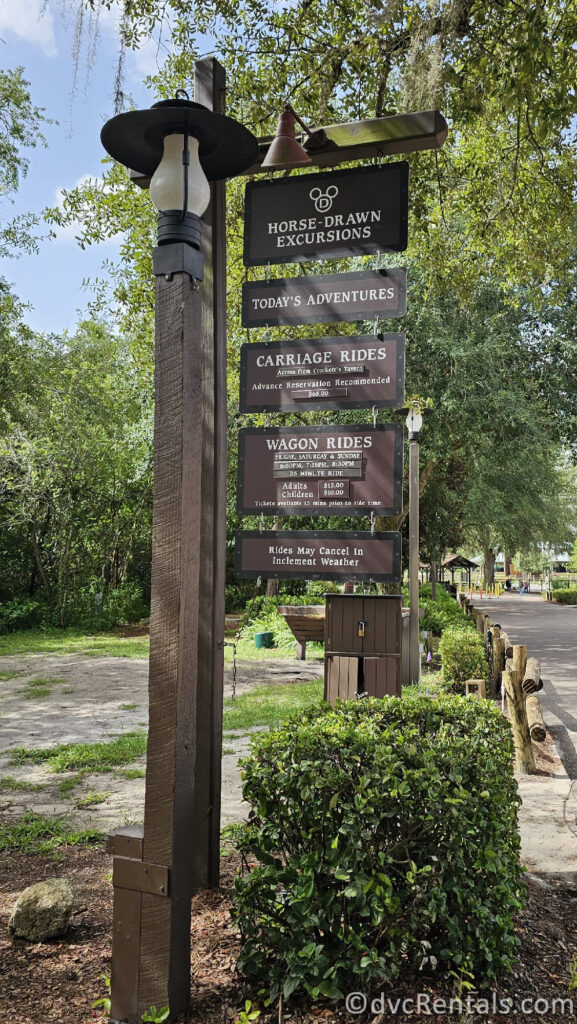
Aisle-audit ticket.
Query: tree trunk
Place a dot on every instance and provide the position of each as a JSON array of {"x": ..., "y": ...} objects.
[
  {"x": 489, "y": 569},
  {"x": 40, "y": 567},
  {"x": 433, "y": 581}
]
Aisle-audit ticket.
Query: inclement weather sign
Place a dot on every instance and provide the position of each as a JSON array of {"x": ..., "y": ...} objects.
[{"x": 318, "y": 554}]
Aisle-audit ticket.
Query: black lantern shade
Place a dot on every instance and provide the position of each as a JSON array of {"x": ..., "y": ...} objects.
[{"x": 136, "y": 138}]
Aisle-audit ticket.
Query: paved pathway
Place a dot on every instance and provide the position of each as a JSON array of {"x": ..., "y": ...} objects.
[{"x": 549, "y": 813}]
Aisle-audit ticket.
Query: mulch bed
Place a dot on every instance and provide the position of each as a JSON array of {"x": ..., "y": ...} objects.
[{"x": 56, "y": 982}]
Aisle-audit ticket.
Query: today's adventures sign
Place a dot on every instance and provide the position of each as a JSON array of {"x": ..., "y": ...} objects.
[
  {"x": 360, "y": 295},
  {"x": 327, "y": 216}
]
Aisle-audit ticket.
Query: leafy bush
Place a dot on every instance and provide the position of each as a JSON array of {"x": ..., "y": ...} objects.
[
  {"x": 439, "y": 614},
  {"x": 261, "y": 606},
  {"x": 21, "y": 613},
  {"x": 562, "y": 582},
  {"x": 233, "y": 598},
  {"x": 270, "y": 622},
  {"x": 316, "y": 590},
  {"x": 565, "y": 596},
  {"x": 463, "y": 656},
  {"x": 380, "y": 829},
  {"x": 93, "y": 609}
]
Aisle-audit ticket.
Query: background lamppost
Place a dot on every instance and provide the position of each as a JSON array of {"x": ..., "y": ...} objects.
[
  {"x": 181, "y": 146},
  {"x": 414, "y": 423}
]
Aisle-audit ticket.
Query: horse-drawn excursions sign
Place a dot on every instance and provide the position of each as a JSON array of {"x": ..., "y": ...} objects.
[{"x": 327, "y": 216}]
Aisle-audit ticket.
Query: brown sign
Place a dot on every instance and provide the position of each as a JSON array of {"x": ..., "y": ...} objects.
[
  {"x": 318, "y": 555},
  {"x": 350, "y": 372},
  {"x": 361, "y": 295},
  {"x": 321, "y": 470},
  {"x": 326, "y": 216}
]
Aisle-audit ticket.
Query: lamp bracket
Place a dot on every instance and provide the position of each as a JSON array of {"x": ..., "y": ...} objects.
[{"x": 178, "y": 258}]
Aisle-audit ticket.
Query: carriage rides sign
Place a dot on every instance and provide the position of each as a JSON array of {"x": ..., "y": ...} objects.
[{"x": 353, "y": 372}]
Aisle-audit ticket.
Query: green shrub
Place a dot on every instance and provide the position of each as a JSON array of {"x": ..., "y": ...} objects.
[
  {"x": 21, "y": 613},
  {"x": 565, "y": 596},
  {"x": 262, "y": 606},
  {"x": 233, "y": 598},
  {"x": 270, "y": 622},
  {"x": 378, "y": 828},
  {"x": 562, "y": 582},
  {"x": 463, "y": 656},
  {"x": 440, "y": 614},
  {"x": 316, "y": 590}
]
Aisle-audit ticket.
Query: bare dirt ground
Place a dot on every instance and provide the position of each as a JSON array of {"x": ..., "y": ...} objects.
[{"x": 97, "y": 699}]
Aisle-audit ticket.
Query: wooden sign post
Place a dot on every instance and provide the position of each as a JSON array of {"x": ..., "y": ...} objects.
[{"x": 157, "y": 869}]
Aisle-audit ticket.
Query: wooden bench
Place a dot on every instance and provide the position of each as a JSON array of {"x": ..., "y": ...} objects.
[{"x": 307, "y": 622}]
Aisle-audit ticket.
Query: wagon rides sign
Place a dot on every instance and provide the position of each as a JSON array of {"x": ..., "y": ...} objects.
[{"x": 321, "y": 470}]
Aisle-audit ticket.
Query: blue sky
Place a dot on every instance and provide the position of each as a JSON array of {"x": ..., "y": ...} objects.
[{"x": 39, "y": 37}]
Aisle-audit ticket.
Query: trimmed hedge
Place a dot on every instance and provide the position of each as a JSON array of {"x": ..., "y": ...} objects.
[
  {"x": 568, "y": 596},
  {"x": 463, "y": 657},
  {"x": 381, "y": 830}
]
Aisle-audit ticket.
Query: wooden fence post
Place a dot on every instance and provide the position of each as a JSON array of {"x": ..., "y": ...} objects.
[{"x": 518, "y": 719}]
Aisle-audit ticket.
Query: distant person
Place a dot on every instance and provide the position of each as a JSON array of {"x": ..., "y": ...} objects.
[{"x": 508, "y": 583}]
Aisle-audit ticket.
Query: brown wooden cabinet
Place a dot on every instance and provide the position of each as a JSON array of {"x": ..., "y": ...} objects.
[{"x": 362, "y": 646}]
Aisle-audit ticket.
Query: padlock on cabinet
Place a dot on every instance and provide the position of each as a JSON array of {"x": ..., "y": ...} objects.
[{"x": 361, "y": 626}]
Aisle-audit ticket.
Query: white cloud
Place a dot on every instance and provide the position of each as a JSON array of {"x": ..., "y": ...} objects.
[{"x": 30, "y": 20}]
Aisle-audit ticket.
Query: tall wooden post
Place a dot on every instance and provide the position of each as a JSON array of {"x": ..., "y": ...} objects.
[
  {"x": 178, "y": 851},
  {"x": 414, "y": 655}
]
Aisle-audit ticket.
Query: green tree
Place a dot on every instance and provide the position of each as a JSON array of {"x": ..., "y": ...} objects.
[
  {"x": 75, "y": 461},
  {"x": 20, "y": 129}
]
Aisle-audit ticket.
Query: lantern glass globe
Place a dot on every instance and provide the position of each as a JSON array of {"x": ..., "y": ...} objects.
[
  {"x": 414, "y": 422},
  {"x": 167, "y": 182}
]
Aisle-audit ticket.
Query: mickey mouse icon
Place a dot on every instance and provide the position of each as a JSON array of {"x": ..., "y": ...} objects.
[{"x": 323, "y": 200}]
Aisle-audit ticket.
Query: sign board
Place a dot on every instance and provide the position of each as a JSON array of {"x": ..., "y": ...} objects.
[
  {"x": 349, "y": 372},
  {"x": 327, "y": 216},
  {"x": 360, "y": 295},
  {"x": 325, "y": 470},
  {"x": 318, "y": 555}
]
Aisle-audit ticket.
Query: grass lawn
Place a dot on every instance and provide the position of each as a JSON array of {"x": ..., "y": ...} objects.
[
  {"x": 73, "y": 641},
  {"x": 269, "y": 705}
]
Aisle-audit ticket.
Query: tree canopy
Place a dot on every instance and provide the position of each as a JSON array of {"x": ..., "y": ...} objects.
[{"x": 20, "y": 129}]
